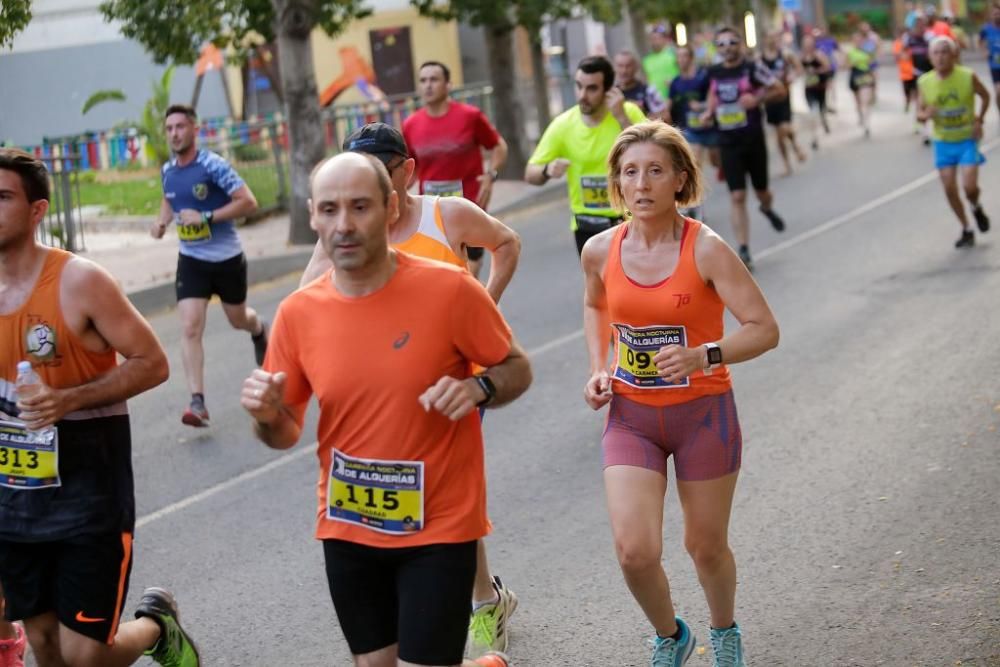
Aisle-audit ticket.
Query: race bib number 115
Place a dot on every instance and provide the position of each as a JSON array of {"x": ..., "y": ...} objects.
[{"x": 387, "y": 496}]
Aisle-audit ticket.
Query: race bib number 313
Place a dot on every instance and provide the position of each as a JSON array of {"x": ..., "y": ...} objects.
[
  {"x": 26, "y": 460},
  {"x": 635, "y": 349},
  {"x": 387, "y": 496}
]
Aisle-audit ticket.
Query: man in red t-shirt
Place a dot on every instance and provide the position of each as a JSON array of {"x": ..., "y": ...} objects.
[{"x": 447, "y": 139}]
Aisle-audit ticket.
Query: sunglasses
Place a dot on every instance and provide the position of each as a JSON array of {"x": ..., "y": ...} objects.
[
  {"x": 722, "y": 43},
  {"x": 391, "y": 167}
]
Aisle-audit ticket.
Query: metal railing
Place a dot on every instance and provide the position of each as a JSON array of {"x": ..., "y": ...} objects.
[{"x": 63, "y": 224}]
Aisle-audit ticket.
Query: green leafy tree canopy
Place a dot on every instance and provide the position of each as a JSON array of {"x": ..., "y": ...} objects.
[
  {"x": 14, "y": 16},
  {"x": 174, "y": 30}
]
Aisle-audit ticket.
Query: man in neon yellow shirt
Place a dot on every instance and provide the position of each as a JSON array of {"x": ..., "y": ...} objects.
[
  {"x": 661, "y": 64},
  {"x": 947, "y": 96},
  {"x": 577, "y": 142}
]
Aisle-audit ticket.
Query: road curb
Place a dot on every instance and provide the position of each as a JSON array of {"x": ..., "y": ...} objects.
[
  {"x": 153, "y": 299},
  {"x": 544, "y": 194}
]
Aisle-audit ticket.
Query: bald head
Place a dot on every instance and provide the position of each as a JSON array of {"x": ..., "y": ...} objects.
[{"x": 334, "y": 168}]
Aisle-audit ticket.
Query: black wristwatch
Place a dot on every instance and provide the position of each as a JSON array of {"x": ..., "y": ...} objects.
[
  {"x": 494, "y": 175},
  {"x": 207, "y": 216},
  {"x": 545, "y": 171},
  {"x": 714, "y": 356},
  {"x": 490, "y": 389}
]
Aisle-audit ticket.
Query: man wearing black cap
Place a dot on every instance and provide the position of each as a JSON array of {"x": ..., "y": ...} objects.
[
  {"x": 441, "y": 228},
  {"x": 430, "y": 226}
]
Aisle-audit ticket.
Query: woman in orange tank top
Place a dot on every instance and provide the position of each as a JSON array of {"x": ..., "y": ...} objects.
[{"x": 656, "y": 289}]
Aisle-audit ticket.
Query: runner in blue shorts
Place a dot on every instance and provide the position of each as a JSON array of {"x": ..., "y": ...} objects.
[
  {"x": 947, "y": 95},
  {"x": 989, "y": 40},
  {"x": 686, "y": 103}
]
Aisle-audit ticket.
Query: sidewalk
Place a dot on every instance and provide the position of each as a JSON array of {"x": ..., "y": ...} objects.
[{"x": 145, "y": 267}]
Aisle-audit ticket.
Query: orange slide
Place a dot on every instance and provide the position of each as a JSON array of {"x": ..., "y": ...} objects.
[{"x": 353, "y": 68}]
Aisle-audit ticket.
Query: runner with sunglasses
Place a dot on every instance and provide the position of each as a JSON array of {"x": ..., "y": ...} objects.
[{"x": 738, "y": 88}]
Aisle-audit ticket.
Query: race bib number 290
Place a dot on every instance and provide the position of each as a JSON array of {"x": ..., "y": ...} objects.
[
  {"x": 635, "y": 348},
  {"x": 386, "y": 496},
  {"x": 27, "y": 460}
]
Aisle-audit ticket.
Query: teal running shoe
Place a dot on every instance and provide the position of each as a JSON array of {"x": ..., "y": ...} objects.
[
  {"x": 673, "y": 653},
  {"x": 727, "y": 647}
]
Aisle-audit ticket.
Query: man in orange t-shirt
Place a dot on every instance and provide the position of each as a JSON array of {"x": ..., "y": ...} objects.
[{"x": 385, "y": 342}]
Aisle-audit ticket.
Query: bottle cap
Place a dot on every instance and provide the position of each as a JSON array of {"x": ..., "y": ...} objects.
[{"x": 23, "y": 366}]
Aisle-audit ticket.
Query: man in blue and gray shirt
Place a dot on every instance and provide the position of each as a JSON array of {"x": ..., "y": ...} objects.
[{"x": 202, "y": 195}]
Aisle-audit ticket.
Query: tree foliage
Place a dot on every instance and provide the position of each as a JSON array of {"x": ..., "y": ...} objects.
[
  {"x": 14, "y": 16},
  {"x": 174, "y": 30},
  {"x": 530, "y": 14},
  {"x": 695, "y": 11}
]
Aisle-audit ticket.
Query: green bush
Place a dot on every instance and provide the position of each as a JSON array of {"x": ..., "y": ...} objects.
[{"x": 250, "y": 153}]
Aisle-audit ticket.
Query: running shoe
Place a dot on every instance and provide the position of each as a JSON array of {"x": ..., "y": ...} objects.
[
  {"x": 488, "y": 625},
  {"x": 745, "y": 258},
  {"x": 260, "y": 343},
  {"x": 197, "y": 414},
  {"x": 174, "y": 648},
  {"x": 966, "y": 240},
  {"x": 776, "y": 221},
  {"x": 669, "y": 652},
  {"x": 12, "y": 650},
  {"x": 982, "y": 221},
  {"x": 493, "y": 659},
  {"x": 727, "y": 647}
]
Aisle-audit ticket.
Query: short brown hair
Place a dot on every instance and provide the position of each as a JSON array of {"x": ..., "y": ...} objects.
[
  {"x": 673, "y": 143},
  {"x": 185, "y": 109},
  {"x": 34, "y": 175}
]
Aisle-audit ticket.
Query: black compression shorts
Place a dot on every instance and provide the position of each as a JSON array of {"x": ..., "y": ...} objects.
[{"x": 418, "y": 597}]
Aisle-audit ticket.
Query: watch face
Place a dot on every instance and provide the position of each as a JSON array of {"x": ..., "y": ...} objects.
[{"x": 714, "y": 355}]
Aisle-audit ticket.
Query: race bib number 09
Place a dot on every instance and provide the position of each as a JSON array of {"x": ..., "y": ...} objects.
[
  {"x": 387, "y": 496},
  {"x": 595, "y": 191},
  {"x": 635, "y": 349},
  {"x": 27, "y": 460},
  {"x": 197, "y": 233},
  {"x": 444, "y": 188}
]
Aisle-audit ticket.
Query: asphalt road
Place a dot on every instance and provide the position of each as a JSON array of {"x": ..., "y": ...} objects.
[{"x": 865, "y": 525}]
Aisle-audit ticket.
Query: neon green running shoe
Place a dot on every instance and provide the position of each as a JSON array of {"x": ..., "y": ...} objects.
[
  {"x": 488, "y": 625},
  {"x": 174, "y": 648}
]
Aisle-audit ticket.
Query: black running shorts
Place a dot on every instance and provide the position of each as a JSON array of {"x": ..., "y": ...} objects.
[
  {"x": 749, "y": 156},
  {"x": 83, "y": 580},
  {"x": 198, "y": 279},
  {"x": 418, "y": 597},
  {"x": 779, "y": 113},
  {"x": 473, "y": 253},
  {"x": 816, "y": 97}
]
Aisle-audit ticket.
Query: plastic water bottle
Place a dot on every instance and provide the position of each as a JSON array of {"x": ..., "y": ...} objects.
[{"x": 28, "y": 384}]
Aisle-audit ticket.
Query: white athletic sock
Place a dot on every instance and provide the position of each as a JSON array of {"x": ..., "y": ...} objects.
[{"x": 479, "y": 604}]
